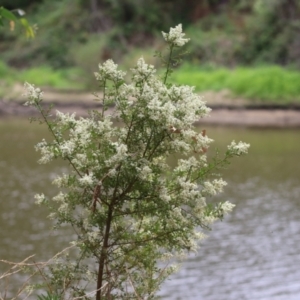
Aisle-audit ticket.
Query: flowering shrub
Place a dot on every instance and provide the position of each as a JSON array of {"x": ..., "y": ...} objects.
[{"x": 132, "y": 213}]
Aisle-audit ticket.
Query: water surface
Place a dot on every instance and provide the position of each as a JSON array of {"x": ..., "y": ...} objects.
[{"x": 253, "y": 254}]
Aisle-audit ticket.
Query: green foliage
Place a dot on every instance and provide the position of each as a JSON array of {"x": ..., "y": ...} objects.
[
  {"x": 10, "y": 16},
  {"x": 215, "y": 40},
  {"x": 6, "y": 14},
  {"x": 272, "y": 33},
  {"x": 45, "y": 76},
  {"x": 137, "y": 19},
  {"x": 5, "y": 71},
  {"x": 49, "y": 296},
  {"x": 94, "y": 50},
  {"x": 19, "y": 3},
  {"x": 272, "y": 84},
  {"x": 225, "y": 33},
  {"x": 128, "y": 13},
  {"x": 57, "y": 32}
]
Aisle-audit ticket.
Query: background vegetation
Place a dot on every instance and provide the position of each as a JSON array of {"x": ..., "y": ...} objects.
[{"x": 254, "y": 38}]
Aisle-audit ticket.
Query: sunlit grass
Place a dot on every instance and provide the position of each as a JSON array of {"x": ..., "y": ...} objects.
[
  {"x": 265, "y": 83},
  {"x": 46, "y": 77},
  {"x": 43, "y": 76}
]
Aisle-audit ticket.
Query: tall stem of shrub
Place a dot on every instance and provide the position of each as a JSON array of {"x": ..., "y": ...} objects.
[
  {"x": 169, "y": 62},
  {"x": 104, "y": 253}
]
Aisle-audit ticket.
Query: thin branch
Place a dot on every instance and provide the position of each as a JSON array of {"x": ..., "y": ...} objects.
[
  {"x": 130, "y": 281},
  {"x": 168, "y": 65}
]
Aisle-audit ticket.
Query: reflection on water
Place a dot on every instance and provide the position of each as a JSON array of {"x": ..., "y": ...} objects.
[{"x": 253, "y": 254}]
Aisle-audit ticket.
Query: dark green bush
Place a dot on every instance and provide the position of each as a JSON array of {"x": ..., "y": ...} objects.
[
  {"x": 273, "y": 33},
  {"x": 226, "y": 33}
]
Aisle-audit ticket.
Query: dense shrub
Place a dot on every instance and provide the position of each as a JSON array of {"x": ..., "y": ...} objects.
[{"x": 273, "y": 33}]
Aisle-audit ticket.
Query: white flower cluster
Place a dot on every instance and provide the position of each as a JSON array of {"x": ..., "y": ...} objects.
[
  {"x": 87, "y": 179},
  {"x": 164, "y": 194},
  {"x": 176, "y": 107},
  {"x": 238, "y": 149},
  {"x": 179, "y": 107},
  {"x": 212, "y": 188},
  {"x": 64, "y": 206},
  {"x": 34, "y": 95},
  {"x": 67, "y": 148},
  {"x": 80, "y": 160},
  {"x": 188, "y": 192},
  {"x": 142, "y": 70},
  {"x": 109, "y": 70},
  {"x": 227, "y": 207},
  {"x": 61, "y": 181},
  {"x": 46, "y": 151},
  {"x": 93, "y": 236},
  {"x": 65, "y": 119},
  {"x": 185, "y": 165},
  {"x": 145, "y": 173},
  {"x": 175, "y": 36},
  {"x": 40, "y": 199},
  {"x": 121, "y": 153}
]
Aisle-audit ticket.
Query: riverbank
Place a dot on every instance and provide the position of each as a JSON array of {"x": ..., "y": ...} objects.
[{"x": 226, "y": 110}]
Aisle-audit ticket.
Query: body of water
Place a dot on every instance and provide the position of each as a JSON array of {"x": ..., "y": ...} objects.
[{"x": 254, "y": 253}]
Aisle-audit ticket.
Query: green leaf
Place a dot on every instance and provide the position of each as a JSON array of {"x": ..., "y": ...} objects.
[
  {"x": 28, "y": 29},
  {"x": 7, "y": 14}
]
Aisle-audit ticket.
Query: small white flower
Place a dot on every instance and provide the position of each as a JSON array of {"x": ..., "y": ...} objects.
[
  {"x": 142, "y": 70},
  {"x": 64, "y": 208},
  {"x": 82, "y": 131},
  {"x": 52, "y": 216},
  {"x": 34, "y": 95},
  {"x": 61, "y": 181},
  {"x": 184, "y": 165},
  {"x": 65, "y": 119},
  {"x": 93, "y": 236},
  {"x": 121, "y": 154},
  {"x": 80, "y": 160},
  {"x": 40, "y": 198},
  {"x": 46, "y": 152},
  {"x": 87, "y": 180},
  {"x": 214, "y": 187},
  {"x": 109, "y": 70},
  {"x": 60, "y": 197},
  {"x": 227, "y": 207},
  {"x": 238, "y": 149},
  {"x": 175, "y": 36},
  {"x": 146, "y": 173},
  {"x": 67, "y": 148}
]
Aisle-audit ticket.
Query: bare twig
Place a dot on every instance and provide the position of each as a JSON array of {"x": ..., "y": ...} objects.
[{"x": 17, "y": 267}]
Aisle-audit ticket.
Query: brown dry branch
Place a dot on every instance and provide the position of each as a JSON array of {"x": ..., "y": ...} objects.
[{"x": 17, "y": 267}]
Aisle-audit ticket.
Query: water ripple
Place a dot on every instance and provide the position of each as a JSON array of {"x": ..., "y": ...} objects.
[{"x": 253, "y": 254}]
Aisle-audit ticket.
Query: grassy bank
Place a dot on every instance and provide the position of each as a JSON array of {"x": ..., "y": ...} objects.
[
  {"x": 265, "y": 84},
  {"x": 43, "y": 76}
]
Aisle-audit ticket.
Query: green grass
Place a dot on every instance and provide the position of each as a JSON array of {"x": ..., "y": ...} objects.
[
  {"x": 43, "y": 76},
  {"x": 264, "y": 84},
  {"x": 6, "y": 73},
  {"x": 267, "y": 84}
]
